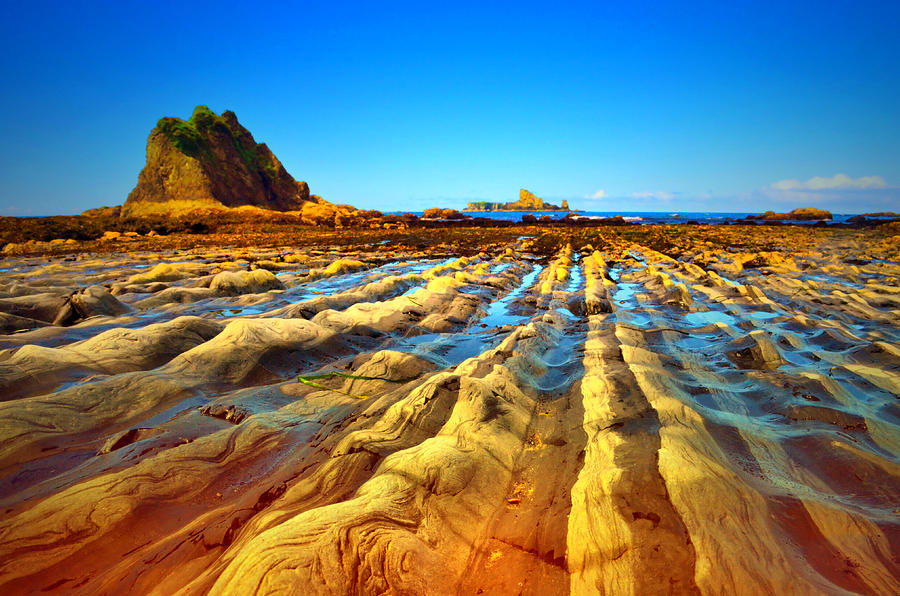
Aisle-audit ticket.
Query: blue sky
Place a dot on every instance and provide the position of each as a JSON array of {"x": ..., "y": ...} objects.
[{"x": 638, "y": 106}]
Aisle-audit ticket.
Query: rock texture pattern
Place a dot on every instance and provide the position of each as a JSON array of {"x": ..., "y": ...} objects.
[
  {"x": 207, "y": 161},
  {"x": 610, "y": 419}
]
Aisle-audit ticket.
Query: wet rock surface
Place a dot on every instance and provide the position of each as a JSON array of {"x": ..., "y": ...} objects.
[{"x": 613, "y": 410}]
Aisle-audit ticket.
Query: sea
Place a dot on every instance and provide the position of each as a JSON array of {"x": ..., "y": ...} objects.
[{"x": 642, "y": 217}]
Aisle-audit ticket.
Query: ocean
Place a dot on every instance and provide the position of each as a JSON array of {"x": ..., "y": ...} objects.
[{"x": 643, "y": 217}]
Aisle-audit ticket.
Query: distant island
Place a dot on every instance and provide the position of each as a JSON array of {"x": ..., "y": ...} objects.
[{"x": 526, "y": 202}]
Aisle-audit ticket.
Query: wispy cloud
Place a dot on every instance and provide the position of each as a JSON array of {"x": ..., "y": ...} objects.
[
  {"x": 839, "y": 193},
  {"x": 659, "y": 194},
  {"x": 838, "y": 181},
  {"x": 600, "y": 194}
]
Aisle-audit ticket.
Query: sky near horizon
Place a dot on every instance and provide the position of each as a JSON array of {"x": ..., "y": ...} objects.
[{"x": 614, "y": 106}]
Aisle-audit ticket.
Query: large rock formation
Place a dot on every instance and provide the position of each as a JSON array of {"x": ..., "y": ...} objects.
[{"x": 211, "y": 161}]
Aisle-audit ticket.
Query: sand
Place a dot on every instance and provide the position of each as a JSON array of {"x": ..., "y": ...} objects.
[{"x": 597, "y": 412}]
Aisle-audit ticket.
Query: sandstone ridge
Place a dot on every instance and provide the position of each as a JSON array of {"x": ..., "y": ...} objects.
[{"x": 211, "y": 161}]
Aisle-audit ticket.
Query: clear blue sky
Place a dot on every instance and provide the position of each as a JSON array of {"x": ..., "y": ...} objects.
[{"x": 647, "y": 106}]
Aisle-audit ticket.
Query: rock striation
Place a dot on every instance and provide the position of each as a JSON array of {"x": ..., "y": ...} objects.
[{"x": 211, "y": 161}]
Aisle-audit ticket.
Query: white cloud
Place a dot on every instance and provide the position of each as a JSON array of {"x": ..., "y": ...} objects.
[
  {"x": 600, "y": 194},
  {"x": 659, "y": 194},
  {"x": 836, "y": 181}
]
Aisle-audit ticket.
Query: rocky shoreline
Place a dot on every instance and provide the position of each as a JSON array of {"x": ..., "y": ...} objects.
[
  {"x": 353, "y": 410},
  {"x": 33, "y": 235}
]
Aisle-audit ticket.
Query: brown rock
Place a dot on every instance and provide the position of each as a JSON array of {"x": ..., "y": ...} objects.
[
  {"x": 320, "y": 213},
  {"x": 439, "y": 213},
  {"x": 801, "y": 214}
]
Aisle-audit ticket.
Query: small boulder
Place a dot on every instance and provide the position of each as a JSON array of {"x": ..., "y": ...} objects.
[
  {"x": 229, "y": 413},
  {"x": 755, "y": 351},
  {"x": 160, "y": 272},
  {"x": 439, "y": 213},
  {"x": 89, "y": 302},
  {"x": 245, "y": 282},
  {"x": 678, "y": 296}
]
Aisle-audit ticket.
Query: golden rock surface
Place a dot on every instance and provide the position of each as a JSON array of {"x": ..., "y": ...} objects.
[{"x": 630, "y": 415}]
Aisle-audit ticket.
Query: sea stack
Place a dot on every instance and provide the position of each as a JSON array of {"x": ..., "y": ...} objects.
[
  {"x": 211, "y": 161},
  {"x": 529, "y": 201}
]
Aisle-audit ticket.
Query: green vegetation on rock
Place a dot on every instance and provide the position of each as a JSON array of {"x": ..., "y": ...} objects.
[{"x": 184, "y": 136}]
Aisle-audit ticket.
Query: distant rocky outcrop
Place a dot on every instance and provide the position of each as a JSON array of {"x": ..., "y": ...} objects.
[
  {"x": 526, "y": 202},
  {"x": 802, "y": 214},
  {"x": 210, "y": 161},
  {"x": 438, "y": 213}
]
